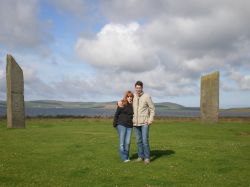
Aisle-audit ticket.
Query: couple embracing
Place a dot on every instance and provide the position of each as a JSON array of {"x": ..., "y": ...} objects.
[{"x": 134, "y": 110}]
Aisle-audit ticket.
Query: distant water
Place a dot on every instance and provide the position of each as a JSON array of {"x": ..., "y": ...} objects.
[{"x": 110, "y": 112}]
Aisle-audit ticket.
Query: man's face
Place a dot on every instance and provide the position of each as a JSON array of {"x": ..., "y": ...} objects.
[{"x": 138, "y": 89}]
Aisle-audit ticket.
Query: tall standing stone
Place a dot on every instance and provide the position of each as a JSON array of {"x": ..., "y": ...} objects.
[
  {"x": 209, "y": 101},
  {"x": 15, "y": 94}
]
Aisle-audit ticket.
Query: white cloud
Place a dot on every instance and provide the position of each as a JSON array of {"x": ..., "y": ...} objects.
[
  {"x": 128, "y": 10},
  {"x": 243, "y": 81},
  {"x": 20, "y": 28},
  {"x": 170, "y": 53},
  {"x": 119, "y": 47},
  {"x": 76, "y": 7},
  {"x": 166, "y": 44},
  {"x": 186, "y": 40},
  {"x": 2, "y": 84}
]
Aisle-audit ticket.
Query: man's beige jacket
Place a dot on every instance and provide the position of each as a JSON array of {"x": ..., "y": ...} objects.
[{"x": 144, "y": 109}]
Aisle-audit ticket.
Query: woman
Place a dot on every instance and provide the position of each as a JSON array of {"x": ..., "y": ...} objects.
[{"x": 123, "y": 123}]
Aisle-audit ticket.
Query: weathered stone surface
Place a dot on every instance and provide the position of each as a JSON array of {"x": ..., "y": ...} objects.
[
  {"x": 15, "y": 94},
  {"x": 209, "y": 101}
]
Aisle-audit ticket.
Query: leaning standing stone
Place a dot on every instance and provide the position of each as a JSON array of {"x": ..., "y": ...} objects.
[
  {"x": 15, "y": 94},
  {"x": 209, "y": 103}
]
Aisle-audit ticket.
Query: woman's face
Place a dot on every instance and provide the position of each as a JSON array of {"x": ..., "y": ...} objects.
[{"x": 129, "y": 99}]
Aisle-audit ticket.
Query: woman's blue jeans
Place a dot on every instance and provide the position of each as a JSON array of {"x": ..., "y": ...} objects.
[
  {"x": 124, "y": 141},
  {"x": 142, "y": 136}
]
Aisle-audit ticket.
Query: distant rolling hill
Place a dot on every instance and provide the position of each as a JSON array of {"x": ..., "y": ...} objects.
[
  {"x": 168, "y": 105},
  {"x": 64, "y": 104},
  {"x": 100, "y": 105},
  {"x": 109, "y": 105}
]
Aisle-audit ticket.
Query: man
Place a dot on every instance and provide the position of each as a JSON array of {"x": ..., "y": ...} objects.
[{"x": 144, "y": 112}]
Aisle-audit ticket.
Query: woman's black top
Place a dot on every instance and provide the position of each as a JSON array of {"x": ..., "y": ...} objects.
[{"x": 124, "y": 116}]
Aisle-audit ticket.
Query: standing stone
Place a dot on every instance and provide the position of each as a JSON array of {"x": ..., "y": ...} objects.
[
  {"x": 15, "y": 94},
  {"x": 209, "y": 101}
]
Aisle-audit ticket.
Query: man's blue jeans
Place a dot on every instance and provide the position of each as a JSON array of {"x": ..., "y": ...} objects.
[
  {"x": 124, "y": 141},
  {"x": 142, "y": 135}
]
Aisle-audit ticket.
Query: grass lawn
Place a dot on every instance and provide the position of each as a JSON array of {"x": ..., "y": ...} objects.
[{"x": 84, "y": 152}]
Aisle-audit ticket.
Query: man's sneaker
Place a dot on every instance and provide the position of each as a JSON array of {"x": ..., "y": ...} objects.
[
  {"x": 126, "y": 161},
  {"x": 146, "y": 161},
  {"x": 139, "y": 159}
]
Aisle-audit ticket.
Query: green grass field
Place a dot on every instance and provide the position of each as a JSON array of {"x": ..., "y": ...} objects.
[{"x": 84, "y": 152}]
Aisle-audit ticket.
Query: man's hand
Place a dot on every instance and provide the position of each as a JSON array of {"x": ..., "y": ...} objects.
[
  {"x": 119, "y": 103},
  {"x": 148, "y": 123}
]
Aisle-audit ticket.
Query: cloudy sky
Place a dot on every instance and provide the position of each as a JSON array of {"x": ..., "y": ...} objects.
[{"x": 93, "y": 50}]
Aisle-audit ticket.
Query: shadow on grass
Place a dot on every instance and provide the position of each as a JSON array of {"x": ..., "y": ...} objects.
[{"x": 155, "y": 154}]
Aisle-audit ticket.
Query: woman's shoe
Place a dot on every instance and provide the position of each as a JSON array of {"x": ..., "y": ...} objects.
[{"x": 126, "y": 161}]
